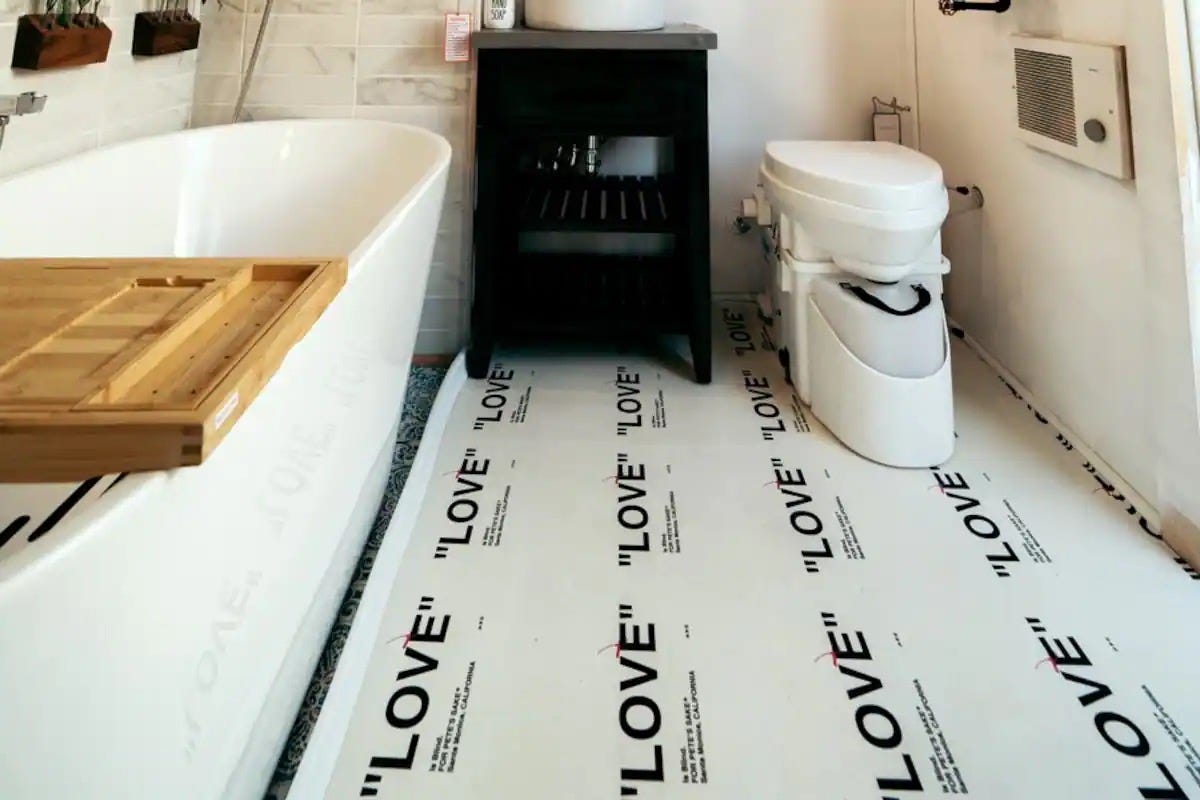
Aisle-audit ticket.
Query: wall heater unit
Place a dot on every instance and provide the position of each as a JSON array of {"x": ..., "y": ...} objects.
[{"x": 1073, "y": 101}]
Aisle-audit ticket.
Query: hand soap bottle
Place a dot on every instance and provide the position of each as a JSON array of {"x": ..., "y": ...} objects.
[{"x": 499, "y": 13}]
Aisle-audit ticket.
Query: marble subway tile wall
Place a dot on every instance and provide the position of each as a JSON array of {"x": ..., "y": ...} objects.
[
  {"x": 370, "y": 59},
  {"x": 123, "y": 98}
]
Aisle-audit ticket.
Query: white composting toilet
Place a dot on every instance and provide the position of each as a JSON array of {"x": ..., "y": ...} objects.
[{"x": 856, "y": 229}]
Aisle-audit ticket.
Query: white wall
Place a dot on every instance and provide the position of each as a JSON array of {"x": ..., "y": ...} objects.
[
  {"x": 1074, "y": 280},
  {"x": 789, "y": 69},
  {"x": 100, "y": 104},
  {"x": 1175, "y": 295}
]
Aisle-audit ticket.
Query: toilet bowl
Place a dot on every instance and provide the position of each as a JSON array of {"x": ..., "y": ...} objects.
[{"x": 857, "y": 251}]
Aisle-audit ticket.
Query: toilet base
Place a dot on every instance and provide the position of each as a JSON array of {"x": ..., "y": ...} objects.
[{"x": 898, "y": 422}]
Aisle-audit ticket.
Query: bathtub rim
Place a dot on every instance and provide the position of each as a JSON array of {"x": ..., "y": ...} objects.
[
  {"x": 440, "y": 163},
  {"x": 216, "y": 130},
  {"x": 124, "y": 496}
]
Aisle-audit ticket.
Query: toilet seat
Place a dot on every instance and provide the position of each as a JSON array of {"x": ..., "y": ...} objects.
[
  {"x": 804, "y": 204},
  {"x": 873, "y": 208},
  {"x": 879, "y": 176}
]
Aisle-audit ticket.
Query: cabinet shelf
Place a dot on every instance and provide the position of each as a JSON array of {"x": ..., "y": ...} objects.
[
  {"x": 584, "y": 294},
  {"x": 600, "y": 204}
]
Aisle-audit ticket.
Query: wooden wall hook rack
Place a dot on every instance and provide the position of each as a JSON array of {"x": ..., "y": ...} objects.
[{"x": 49, "y": 42}]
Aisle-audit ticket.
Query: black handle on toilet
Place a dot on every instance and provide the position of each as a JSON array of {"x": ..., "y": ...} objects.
[{"x": 924, "y": 298}]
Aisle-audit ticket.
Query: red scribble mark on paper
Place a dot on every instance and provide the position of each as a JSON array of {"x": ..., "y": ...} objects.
[
  {"x": 939, "y": 487},
  {"x": 832, "y": 654},
  {"x": 406, "y": 637},
  {"x": 616, "y": 645},
  {"x": 1053, "y": 662},
  {"x": 612, "y": 478},
  {"x": 457, "y": 473},
  {"x": 776, "y": 483}
]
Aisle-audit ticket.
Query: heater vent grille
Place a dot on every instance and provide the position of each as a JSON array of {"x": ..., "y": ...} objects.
[{"x": 1046, "y": 95}]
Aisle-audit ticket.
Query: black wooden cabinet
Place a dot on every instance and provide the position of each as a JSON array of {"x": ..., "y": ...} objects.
[{"x": 529, "y": 99}]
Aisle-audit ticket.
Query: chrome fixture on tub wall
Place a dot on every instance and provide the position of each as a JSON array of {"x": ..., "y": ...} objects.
[{"x": 18, "y": 105}]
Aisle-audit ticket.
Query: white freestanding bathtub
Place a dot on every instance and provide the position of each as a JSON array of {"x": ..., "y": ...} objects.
[{"x": 157, "y": 633}]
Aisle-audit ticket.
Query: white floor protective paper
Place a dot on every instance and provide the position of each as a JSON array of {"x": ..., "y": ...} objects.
[{"x": 623, "y": 584}]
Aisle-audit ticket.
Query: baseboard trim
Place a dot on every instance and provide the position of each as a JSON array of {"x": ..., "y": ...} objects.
[
  {"x": 1109, "y": 479},
  {"x": 1183, "y": 536}
]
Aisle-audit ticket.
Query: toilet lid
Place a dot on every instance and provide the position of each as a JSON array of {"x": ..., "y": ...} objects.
[{"x": 877, "y": 175}]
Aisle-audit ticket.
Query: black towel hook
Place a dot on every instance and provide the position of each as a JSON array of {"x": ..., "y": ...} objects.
[{"x": 951, "y": 7}]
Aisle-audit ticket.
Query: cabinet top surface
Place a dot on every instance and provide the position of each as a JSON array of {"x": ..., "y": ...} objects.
[{"x": 676, "y": 36}]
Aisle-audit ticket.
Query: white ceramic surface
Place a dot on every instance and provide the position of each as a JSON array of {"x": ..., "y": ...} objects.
[
  {"x": 595, "y": 15},
  {"x": 874, "y": 244},
  {"x": 158, "y": 641},
  {"x": 900, "y": 346},
  {"x": 900, "y": 422},
  {"x": 877, "y": 175}
]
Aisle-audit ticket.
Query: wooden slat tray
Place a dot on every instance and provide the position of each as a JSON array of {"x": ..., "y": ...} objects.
[{"x": 141, "y": 364}]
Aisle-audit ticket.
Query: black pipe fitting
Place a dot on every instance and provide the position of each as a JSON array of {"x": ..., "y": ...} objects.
[{"x": 950, "y": 7}]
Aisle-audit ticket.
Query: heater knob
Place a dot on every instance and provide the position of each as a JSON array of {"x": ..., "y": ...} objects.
[{"x": 1094, "y": 129}]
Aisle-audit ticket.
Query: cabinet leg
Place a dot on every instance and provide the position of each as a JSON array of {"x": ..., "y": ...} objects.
[
  {"x": 701, "y": 339},
  {"x": 479, "y": 359}
]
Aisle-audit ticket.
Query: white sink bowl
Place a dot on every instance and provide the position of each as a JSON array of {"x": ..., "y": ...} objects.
[{"x": 595, "y": 15}]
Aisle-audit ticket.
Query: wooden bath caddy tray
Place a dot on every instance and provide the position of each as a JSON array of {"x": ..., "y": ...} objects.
[{"x": 140, "y": 364}]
